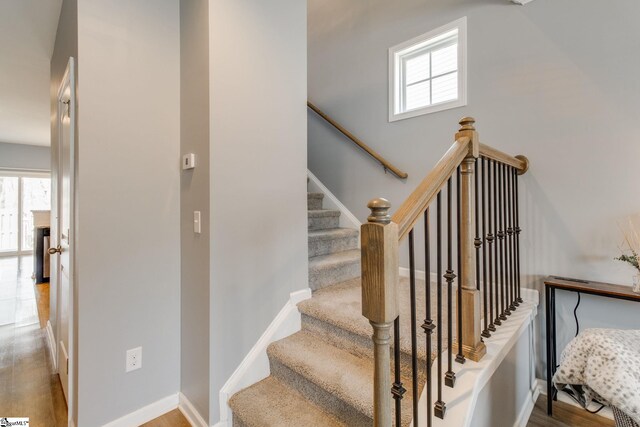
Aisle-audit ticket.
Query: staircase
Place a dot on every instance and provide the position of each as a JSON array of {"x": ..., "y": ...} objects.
[{"x": 323, "y": 374}]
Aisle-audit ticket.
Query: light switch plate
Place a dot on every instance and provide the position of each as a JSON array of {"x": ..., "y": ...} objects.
[
  {"x": 197, "y": 223},
  {"x": 188, "y": 161}
]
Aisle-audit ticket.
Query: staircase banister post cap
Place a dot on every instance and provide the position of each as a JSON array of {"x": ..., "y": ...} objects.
[
  {"x": 379, "y": 211},
  {"x": 525, "y": 160},
  {"x": 466, "y": 123},
  {"x": 468, "y": 129}
]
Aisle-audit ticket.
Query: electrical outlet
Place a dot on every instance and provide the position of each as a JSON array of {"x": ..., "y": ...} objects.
[{"x": 134, "y": 359}]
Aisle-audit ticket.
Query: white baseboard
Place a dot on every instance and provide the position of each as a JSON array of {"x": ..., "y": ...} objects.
[
  {"x": 255, "y": 366},
  {"x": 52, "y": 347},
  {"x": 190, "y": 412},
  {"x": 529, "y": 404},
  {"x": 147, "y": 413},
  {"x": 347, "y": 219}
]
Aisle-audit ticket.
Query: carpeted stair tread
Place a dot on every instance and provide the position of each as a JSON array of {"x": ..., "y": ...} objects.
[
  {"x": 322, "y": 219},
  {"x": 327, "y": 270},
  {"x": 324, "y": 242},
  {"x": 339, "y": 307},
  {"x": 270, "y": 403},
  {"x": 314, "y": 200},
  {"x": 335, "y": 380}
]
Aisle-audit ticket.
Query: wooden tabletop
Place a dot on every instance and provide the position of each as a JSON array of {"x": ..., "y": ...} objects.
[{"x": 594, "y": 288}]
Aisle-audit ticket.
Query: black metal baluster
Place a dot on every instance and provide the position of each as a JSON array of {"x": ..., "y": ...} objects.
[
  {"x": 449, "y": 376},
  {"x": 460, "y": 355},
  {"x": 496, "y": 225},
  {"x": 518, "y": 230},
  {"x": 440, "y": 408},
  {"x": 397, "y": 389},
  {"x": 510, "y": 231},
  {"x": 428, "y": 325},
  {"x": 503, "y": 216},
  {"x": 493, "y": 314},
  {"x": 486, "y": 297},
  {"x": 414, "y": 332}
]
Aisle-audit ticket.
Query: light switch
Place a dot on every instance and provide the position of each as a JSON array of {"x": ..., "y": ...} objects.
[
  {"x": 188, "y": 161},
  {"x": 196, "y": 222}
]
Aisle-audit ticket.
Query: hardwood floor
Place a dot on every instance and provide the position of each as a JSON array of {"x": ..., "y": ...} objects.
[
  {"x": 565, "y": 415},
  {"x": 27, "y": 386},
  {"x": 170, "y": 419}
]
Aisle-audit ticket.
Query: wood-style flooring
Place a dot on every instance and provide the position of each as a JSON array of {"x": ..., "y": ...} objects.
[
  {"x": 170, "y": 419},
  {"x": 565, "y": 415},
  {"x": 27, "y": 386}
]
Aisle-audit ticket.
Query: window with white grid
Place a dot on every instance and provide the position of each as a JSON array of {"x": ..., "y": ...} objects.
[{"x": 428, "y": 73}]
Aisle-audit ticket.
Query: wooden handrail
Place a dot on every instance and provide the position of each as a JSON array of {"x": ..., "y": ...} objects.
[
  {"x": 521, "y": 163},
  {"x": 415, "y": 205},
  {"x": 384, "y": 162}
]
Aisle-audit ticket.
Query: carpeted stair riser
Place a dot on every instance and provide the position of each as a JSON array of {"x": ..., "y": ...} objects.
[
  {"x": 323, "y": 219},
  {"x": 334, "y": 270},
  {"x": 324, "y": 242},
  {"x": 314, "y": 201}
]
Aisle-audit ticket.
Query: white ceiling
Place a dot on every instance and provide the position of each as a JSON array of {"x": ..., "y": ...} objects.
[{"x": 27, "y": 34}]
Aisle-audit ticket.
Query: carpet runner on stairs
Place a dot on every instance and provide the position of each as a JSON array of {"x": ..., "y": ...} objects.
[{"x": 323, "y": 375}]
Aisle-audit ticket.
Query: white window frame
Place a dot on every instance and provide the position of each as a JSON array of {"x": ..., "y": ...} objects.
[{"x": 396, "y": 80}]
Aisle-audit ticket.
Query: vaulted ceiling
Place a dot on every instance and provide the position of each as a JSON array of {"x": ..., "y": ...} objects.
[{"x": 27, "y": 35}]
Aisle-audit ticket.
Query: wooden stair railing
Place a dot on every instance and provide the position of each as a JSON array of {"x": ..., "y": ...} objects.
[
  {"x": 384, "y": 162},
  {"x": 380, "y": 238}
]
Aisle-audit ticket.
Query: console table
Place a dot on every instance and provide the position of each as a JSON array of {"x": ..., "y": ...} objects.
[{"x": 552, "y": 283}]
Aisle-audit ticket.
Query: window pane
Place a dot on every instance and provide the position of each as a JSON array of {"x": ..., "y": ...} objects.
[
  {"x": 445, "y": 60},
  {"x": 417, "y": 95},
  {"x": 416, "y": 68},
  {"x": 8, "y": 214},
  {"x": 445, "y": 88},
  {"x": 36, "y": 195}
]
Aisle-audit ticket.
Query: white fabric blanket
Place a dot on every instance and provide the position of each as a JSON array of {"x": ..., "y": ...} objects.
[{"x": 606, "y": 362}]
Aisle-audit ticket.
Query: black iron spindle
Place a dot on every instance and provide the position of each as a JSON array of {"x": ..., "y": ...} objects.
[
  {"x": 449, "y": 376},
  {"x": 440, "y": 407},
  {"x": 460, "y": 355},
  {"x": 518, "y": 230},
  {"x": 503, "y": 213},
  {"x": 493, "y": 314},
  {"x": 397, "y": 389},
  {"x": 428, "y": 325},
  {"x": 414, "y": 332},
  {"x": 510, "y": 231},
  {"x": 496, "y": 203},
  {"x": 485, "y": 296}
]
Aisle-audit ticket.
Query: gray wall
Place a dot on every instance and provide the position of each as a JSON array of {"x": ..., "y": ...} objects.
[
  {"x": 194, "y": 196},
  {"x": 554, "y": 80},
  {"x": 66, "y": 46},
  {"x": 258, "y": 172},
  {"x": 21, "y": 156},
  {"x": 128, "y": 205}
]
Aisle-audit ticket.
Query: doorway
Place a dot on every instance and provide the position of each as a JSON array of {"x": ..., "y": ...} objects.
[{"x": 21, "y": 193}]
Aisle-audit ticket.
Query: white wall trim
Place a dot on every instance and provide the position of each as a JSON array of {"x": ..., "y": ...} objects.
[
  {"x": 190, "y": 412},
  {"x": 52, "y": 347},
  {"x": 529, "y": 404},
  {"x": 347, "y": 219},
  {"x": 255, "y": 366},
  {"x": 146, "y": 413}
]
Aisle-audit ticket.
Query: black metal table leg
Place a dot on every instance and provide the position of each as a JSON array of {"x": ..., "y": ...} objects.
[{"x": 547, "y": 294}]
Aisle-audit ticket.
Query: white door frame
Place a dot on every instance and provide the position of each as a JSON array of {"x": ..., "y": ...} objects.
[{"x": 67, "y": 91}]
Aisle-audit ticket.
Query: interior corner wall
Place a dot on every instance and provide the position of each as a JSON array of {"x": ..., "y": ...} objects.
[
  {"x": 258, "y": 88},
  {"x": 128, "y": 205},
  {"x": 25, "y": 157},
  {"x": 560, "y": 90},
  {"x": 65, "y": 46},
  {"x": 194, "y": 196}
]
